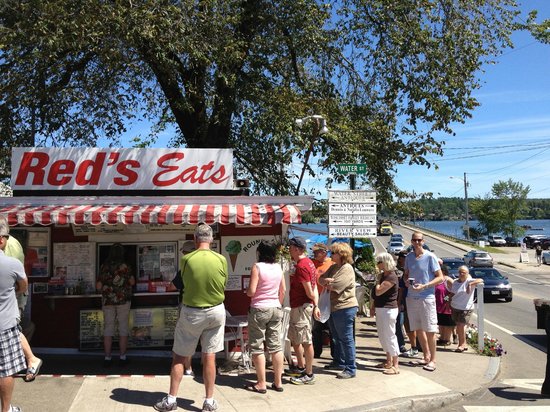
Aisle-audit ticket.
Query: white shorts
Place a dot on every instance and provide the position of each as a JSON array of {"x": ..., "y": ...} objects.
[
  {"x": 121, "y": 313},
  {"x": 194, "y": 324},
  {"x": 422, "y": 314}
]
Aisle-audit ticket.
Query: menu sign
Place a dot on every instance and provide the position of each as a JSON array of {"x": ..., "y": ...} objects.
[
  {"x": 149, "y": 327},
  {"x": 40, "y": 168}
]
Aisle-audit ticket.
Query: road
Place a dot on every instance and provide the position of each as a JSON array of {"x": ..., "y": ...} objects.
[{"x": 514, "y": 325}]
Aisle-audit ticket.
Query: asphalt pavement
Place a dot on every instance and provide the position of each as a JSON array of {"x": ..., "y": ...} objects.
[{"x": 78, "y": 382}]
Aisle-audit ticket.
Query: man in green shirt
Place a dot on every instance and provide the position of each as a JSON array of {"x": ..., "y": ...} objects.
[{"x": 202, "y": 317}]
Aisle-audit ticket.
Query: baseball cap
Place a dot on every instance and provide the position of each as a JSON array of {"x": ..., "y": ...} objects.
[
  {"x": 319, "y": 246},
  {"x": 298, "y": 242}
]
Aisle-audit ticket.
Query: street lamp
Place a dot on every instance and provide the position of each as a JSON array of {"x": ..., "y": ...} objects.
[
  {"x": 319, "y": 128},
  {"x": 467, "y": 225}
]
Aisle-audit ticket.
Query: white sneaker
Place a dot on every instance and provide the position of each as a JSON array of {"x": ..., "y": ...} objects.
[
  {"x": 206, "y": 407},
  {"x": 165, "y": 406}
]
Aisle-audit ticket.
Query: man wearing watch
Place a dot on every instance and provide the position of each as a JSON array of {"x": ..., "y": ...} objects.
[{"x": 422, "y": 266}]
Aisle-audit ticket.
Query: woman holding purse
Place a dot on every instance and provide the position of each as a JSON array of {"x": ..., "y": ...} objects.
[{"x": 339, "y": 279}]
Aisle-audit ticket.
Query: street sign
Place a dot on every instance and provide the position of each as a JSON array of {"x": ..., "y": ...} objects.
[
  {"x": 352, "y": 196},
  {"x": 351, "y": 231},
  {"x": 352, "y": 220},
  {"x": 352, "y": 168},
  {"x": 351, "y": 208}
]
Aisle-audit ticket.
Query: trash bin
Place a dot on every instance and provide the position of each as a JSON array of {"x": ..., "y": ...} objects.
[
  {"x": 481, "y": 243},
  {"x": 542, "y": 307}
]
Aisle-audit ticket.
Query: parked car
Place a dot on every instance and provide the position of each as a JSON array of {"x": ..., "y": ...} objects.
[
  {"x": 495, "y": 240},
  {"x": 495, "y": 286},
  {"x": 478, "y": 258},
  {"x": 546, "y": 257},
  {"x": 512, "y": 241},
  {"x": 453, "y": 263},
  {"x": 395, "y": 247},
  {"x": 396, "y": 237},
  {"x": 532, "y": 240}
]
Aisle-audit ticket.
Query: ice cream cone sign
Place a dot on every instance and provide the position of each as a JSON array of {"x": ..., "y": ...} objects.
[{"x": 233, "y": 249}]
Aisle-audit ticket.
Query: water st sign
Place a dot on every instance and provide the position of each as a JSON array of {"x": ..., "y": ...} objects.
[
  {"x": 351, "y": 231},
  {"x": 352, "y": 168}
]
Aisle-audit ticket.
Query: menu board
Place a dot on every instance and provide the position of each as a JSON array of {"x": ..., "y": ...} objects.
[
  {"x": 75, "y": 262},
  {"x": 149, "y": 327}
]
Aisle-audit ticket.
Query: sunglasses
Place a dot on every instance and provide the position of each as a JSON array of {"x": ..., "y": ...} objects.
[{"x": 417, "y": 240}]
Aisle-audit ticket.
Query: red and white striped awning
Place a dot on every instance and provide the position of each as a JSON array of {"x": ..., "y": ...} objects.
[{"x": 163, "y": 213}]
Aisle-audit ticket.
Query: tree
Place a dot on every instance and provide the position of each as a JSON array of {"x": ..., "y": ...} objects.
[
  {"x": 387, "y": 75},
  {"x": 500, "y": 211}
]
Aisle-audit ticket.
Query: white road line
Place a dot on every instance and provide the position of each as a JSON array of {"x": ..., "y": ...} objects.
[
  {"x": 534, "y": 384},
  {"x": 494, "y": 408},
  {"x": 516, "y": 335},
  {"x": 509, "y": 332}
]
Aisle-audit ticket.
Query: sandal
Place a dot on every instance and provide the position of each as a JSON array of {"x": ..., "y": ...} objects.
[
  {"x": 418, "y": 363},
  {"x": 460, "y": 350},
  {"x": 391, "y": 371},
  {"x": 430, "y": 367},
  {"x": 253, "y": 388},
  {"x": 383, "y": 365},
  {"x": 276, "y": 388},
  {"x": 32, "y": 371}
]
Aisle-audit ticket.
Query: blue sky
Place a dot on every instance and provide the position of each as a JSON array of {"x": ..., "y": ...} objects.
[{"x": 508, "y": 136}]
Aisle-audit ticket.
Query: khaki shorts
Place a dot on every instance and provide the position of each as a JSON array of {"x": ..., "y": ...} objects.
[
  {"x": 300, "y": 324},
  {"x": 204, "y": 325},
  {"x": 121, "y": 313},
  {"x": 461, "y": 316},
  {"x": 264, "y": 325},
  {"x": 422, "y": 314}
]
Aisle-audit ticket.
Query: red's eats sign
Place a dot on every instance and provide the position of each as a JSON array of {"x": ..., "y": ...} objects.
[{"x": 121, "y": 169}]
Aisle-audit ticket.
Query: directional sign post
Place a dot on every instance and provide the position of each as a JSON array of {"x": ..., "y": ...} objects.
[{"x": 352, "y": 213}]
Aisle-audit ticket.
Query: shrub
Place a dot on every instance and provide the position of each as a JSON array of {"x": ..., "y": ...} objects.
[{"x": 491, "y": 346}]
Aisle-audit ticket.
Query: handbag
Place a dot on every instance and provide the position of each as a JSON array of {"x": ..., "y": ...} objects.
[{"x": 324, "y": 306}]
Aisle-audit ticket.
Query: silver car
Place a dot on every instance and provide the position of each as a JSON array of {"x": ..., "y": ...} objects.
[
  {"x": 395, "y": 247},
  {"x": 478, "y": 258}
]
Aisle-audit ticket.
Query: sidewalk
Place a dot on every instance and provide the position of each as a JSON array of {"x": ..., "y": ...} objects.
[{"x": 457, "y": 374}]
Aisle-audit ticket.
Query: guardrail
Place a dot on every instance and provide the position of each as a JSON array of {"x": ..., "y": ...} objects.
[{"x": 439, "y": 234}]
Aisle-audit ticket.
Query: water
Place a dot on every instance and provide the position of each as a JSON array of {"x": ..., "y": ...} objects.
[{"x": 448, "y": 227}]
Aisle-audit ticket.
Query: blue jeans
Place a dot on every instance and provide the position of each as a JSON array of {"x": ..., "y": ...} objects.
[
  {"x": 341, "y": 328},
  {"x": 399, "y": 329}
]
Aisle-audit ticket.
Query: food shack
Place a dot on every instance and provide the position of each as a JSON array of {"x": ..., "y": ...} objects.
[{"x": 70, "y": 205}]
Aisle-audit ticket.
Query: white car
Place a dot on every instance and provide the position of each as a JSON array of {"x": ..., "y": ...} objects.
[
  {"x": 546, "y": 257},
  {"x": 495, "y": 240},
  {"x": 395, "y": 247}
]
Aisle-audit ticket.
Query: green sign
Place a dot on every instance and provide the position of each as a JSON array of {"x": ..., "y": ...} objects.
[{"x": 355, "y": 168}]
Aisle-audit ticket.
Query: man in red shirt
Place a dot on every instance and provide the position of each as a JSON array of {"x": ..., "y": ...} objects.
[
  {"x": 322, "y": 262},
  {"x": 303, "y": 303}
]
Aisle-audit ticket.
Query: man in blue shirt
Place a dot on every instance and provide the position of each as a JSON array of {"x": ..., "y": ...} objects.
[{"x": 422, "y": 274}]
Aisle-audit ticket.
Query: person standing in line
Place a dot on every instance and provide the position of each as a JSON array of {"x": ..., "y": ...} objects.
[
  {"x": 187, "y": 247},
  {"x": 385, "y": 302},
  {"x": 115, "y": 282},
  {"x": 402, "y": 304},
  {"x": 339, "y": 279},
  {"x": 462, "y": 303},
  {"x": 538, "y": 253},
  {"x": 303, "y": 304},
  {"x": 12, "y": 358},
  {"x": 443, "y": 307},
  {"x": 34, "y": 363},
  {"x": 267, "y": 291},
  {"x": 322, "y": 262},
  {"x": 422, "y": 274},
  {"x": 202, "y": 318}
]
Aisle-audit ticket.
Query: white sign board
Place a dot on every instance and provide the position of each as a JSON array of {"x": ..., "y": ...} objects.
[
  {"x": 352, "y": 196},
  {"x": 352, "y": 220},
  {"x": 351, "y": 231},
  {"x": 40, "y": 168},
  {"x": 352, "y": 208}
]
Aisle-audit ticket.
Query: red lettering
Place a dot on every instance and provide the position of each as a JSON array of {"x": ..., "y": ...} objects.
[
  {"x": 190, "y": 174},
  {"x": 95, "y": 173},
  {"x": 124, "y": 169},
  {"x": 160, "y": 162},
  {"x": 59, "y": 169},
  {"x": 33, "y": 162}
]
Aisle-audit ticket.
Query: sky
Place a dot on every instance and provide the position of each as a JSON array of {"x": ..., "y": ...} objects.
[{"x": 507, "y": 137}]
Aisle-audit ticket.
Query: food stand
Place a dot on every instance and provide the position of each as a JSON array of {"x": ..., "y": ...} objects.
[{"x": 70, "y": 205}]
